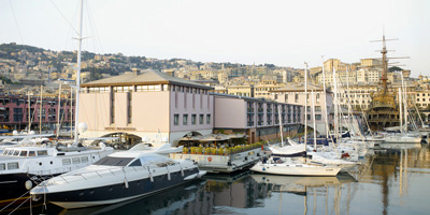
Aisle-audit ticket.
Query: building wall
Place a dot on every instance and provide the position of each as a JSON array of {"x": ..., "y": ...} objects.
[
  {"x": 150, "y": 111},
  {"x": 191, "y": 103},
  {"x": 322, "y": 104},
  {"x": 230, "y": 112},
  {"x": 94, "y": 110}
]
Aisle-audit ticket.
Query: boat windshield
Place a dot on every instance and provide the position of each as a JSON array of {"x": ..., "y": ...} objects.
[{"x": 113, "y": 161}]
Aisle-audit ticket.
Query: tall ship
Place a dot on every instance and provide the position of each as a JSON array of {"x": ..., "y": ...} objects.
[{"x": 383, "y": 111}]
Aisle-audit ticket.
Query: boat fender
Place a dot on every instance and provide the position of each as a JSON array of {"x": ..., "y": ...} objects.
[
  {"x": 209, "y": 159},
  {"x": 28, "y": 185},
  {"x": 150, "y": 175},
  {"x": 126, "y": 183},
  {"x": 182, "y": 171},
  {"x": 168, "y": 173}
]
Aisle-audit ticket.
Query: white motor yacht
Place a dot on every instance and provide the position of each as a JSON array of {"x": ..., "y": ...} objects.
[
  {"x": 23, "y": 167},
  {"x": 118, "y": 177}
]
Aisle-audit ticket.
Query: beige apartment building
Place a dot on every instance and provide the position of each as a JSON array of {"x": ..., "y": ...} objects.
[
  {"x": 147, "y": 104},
  {"x": 295, "y": 94},
  {"x": 241, "y": 90},
  {"x": 263, "y": 89}
]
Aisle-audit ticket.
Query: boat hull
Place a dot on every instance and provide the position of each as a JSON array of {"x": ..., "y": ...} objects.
[
  {"x": 17, "y": 184},
  {"x": 293, "y": 170},
  {"x": 114, "y": 193}
]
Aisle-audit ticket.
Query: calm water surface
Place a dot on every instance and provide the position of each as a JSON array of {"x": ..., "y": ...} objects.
[{"x": 391, "y": 182}]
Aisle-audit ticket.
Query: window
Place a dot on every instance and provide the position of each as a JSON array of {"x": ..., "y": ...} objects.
[
  {"x": 13, "y": 165},
  {"x": 76, "y": 160},
  {"x": 113, "y": 161},
  {"x": 317, "y": 116},
  {"x": 193, "y": 119},
  {"x": 136, "y": 163},
  {"x": 84, "y": 159},
  {"x": 129, "y": 114},
  {"x": 66, "y": 161},
  {"x": 32, "y": 153},
  {"x": 2, "y": 166},
  {"x": 112, "y": 107},
  {"x": 208, "y": 118},
  {"x": 42, "y": 153},
  {"x": 23, "y": 153},
  {"x": 176, "y": 119},
  {"x": 201, "y": 119},
  {"x": 185, "y": 119}
]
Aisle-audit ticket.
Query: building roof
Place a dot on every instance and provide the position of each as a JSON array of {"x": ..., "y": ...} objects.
[
  {"x": 145, "y": 77},
  {"x": 246, "y": 98},
  {"x": 298, "y": 87}
]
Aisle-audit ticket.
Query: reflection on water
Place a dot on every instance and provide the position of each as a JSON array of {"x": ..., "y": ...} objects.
[{"x": 394, "y": 181}]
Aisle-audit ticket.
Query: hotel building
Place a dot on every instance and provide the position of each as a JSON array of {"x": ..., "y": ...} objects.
[
  {"x": 258, "y": 118},
  {"x": 147, "y": 104}
]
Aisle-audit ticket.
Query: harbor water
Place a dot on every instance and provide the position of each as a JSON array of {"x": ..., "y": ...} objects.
[{"x": 392, "y": 181}]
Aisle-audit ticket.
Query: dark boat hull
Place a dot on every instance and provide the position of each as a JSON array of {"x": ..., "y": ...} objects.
[
  {"x": 117, "y": 192},
  {"x": 18, "y": 184}
]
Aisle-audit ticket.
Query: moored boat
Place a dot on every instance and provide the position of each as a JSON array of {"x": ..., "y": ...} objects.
[
  {"x": 294, "y": 168},
  {"x": 118, "y": 177},
  {"x": 23, "y": 167}
]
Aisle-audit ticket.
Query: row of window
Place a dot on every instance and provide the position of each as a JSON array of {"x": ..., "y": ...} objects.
[
  {"x": 193, "y": 119},
  {"x": 75, "y": 160},
  {"x": 176, "y": 88},
  {"x": 10, "y": 166}
]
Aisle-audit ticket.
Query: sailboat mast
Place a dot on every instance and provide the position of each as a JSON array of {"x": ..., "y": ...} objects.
[
  {"x": 325, "y": 102},
  {"x": 313, "y": 117},
  {"x": 306, "y": 105},
  {"x": 336, "y": 107},
  {"x": 281, "y": 129},
  {"x": 58, "y": 110},
  {"x": 405, "y": 104},
  {"x": 29, "y": 113},
  {"x": 78, "y": 72},
  {"x": 40, "y": 109},
  {"x": 400, "y": 109},
  {"x": 71, "y": 112}
]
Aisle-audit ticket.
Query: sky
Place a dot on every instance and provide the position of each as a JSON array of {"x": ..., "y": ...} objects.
[{"x": 284, "y": 33}]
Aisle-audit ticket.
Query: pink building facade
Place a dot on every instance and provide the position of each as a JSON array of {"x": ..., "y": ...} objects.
[
  {"x": 150, "y": 104},
  {"x": 258, "y": 118},
  {"x": 14, "y": 112}
]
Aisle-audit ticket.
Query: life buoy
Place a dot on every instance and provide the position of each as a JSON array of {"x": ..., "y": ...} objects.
[{"x": 209, "y": 159}]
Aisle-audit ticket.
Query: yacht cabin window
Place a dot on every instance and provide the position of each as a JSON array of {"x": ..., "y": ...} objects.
[
  {"x": 42, "y": 153},
  {"x": 136, "y": 163},
  {"x": 23, "y": 153},
  {"x": 32, "y": 153},
  {"x": 113, "y": 161},
  {"x": 13, "y": 165},
  {"x": 15, "y": 153},
  {"x": 2, "y": 166}
]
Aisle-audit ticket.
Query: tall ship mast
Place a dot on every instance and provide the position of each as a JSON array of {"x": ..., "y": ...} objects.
[{"x": 383, "y": 111}]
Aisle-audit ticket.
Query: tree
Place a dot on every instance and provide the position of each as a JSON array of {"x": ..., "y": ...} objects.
[{"x": 395, "y": 69}]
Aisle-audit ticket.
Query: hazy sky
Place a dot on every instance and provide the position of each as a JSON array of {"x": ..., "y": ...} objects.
[{"x": 284, "y": 33}]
